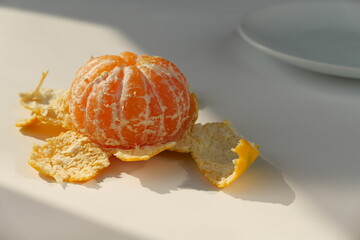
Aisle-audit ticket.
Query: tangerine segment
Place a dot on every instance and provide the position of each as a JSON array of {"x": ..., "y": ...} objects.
[
  {"x": 129, "y": 58},
  {"x": 69, "y": 157},
  {"x": 220, "y": 154},
  {"x": 172, "y": 91},
  {"x": 128, "y": 101},
  {"x": 146, "y": 152},
  {"x": 90, "y": 74}
]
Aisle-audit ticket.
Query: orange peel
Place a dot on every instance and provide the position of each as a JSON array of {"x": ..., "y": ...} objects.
[
  {"x": 142, "y": 153},
  {"x": 220, "y": 154},
  {"x": 23, "y": 123},
  {"x": 69, "y": 157},
  {"x": 47, "y": 106}
]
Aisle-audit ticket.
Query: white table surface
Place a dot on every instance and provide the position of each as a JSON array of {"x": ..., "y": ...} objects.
[{"x": 306, "y": 185}]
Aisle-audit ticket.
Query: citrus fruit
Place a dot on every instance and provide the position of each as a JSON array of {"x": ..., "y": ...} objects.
[
  {"x": 130, "y": 101},
  {"x": 132, "y": 107}
]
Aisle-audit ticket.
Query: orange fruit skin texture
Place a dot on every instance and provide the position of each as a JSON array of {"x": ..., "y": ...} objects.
[{"x": 129, "y": 101}]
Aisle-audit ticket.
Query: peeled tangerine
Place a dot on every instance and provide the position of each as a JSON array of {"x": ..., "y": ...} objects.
[
  {"x": 133, "y": 107},
  {"x": 130, "y": 101}
]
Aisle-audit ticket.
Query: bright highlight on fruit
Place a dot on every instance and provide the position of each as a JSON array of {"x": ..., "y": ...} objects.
[{"x": 132, "y": 107}]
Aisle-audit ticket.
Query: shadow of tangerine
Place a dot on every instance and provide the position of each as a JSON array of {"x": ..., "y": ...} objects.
[{"x": 161, "y": 174}]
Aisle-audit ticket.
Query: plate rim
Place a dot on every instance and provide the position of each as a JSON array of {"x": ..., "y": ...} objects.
[{"x": 309, "y": 64}]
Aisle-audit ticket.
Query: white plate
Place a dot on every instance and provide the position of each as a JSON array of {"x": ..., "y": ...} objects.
[{"x": 318, "y": 36}]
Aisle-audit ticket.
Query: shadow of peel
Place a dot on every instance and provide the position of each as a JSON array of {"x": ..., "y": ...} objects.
[
  {"x": 262, "y": 182},
  {"x": 171, "y": 171}
]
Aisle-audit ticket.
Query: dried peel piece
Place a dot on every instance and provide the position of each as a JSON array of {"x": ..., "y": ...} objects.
[
  {"x": 49, "y": 106},
  {"x": 27, "y": 122},
  {"x": 220, "y": 154},
  {"x": 69, "y": 157},
  {"x": 56, "y": 113},
  {"x": 184, "y": 144},
  {"x": 142, "y": 153}
]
